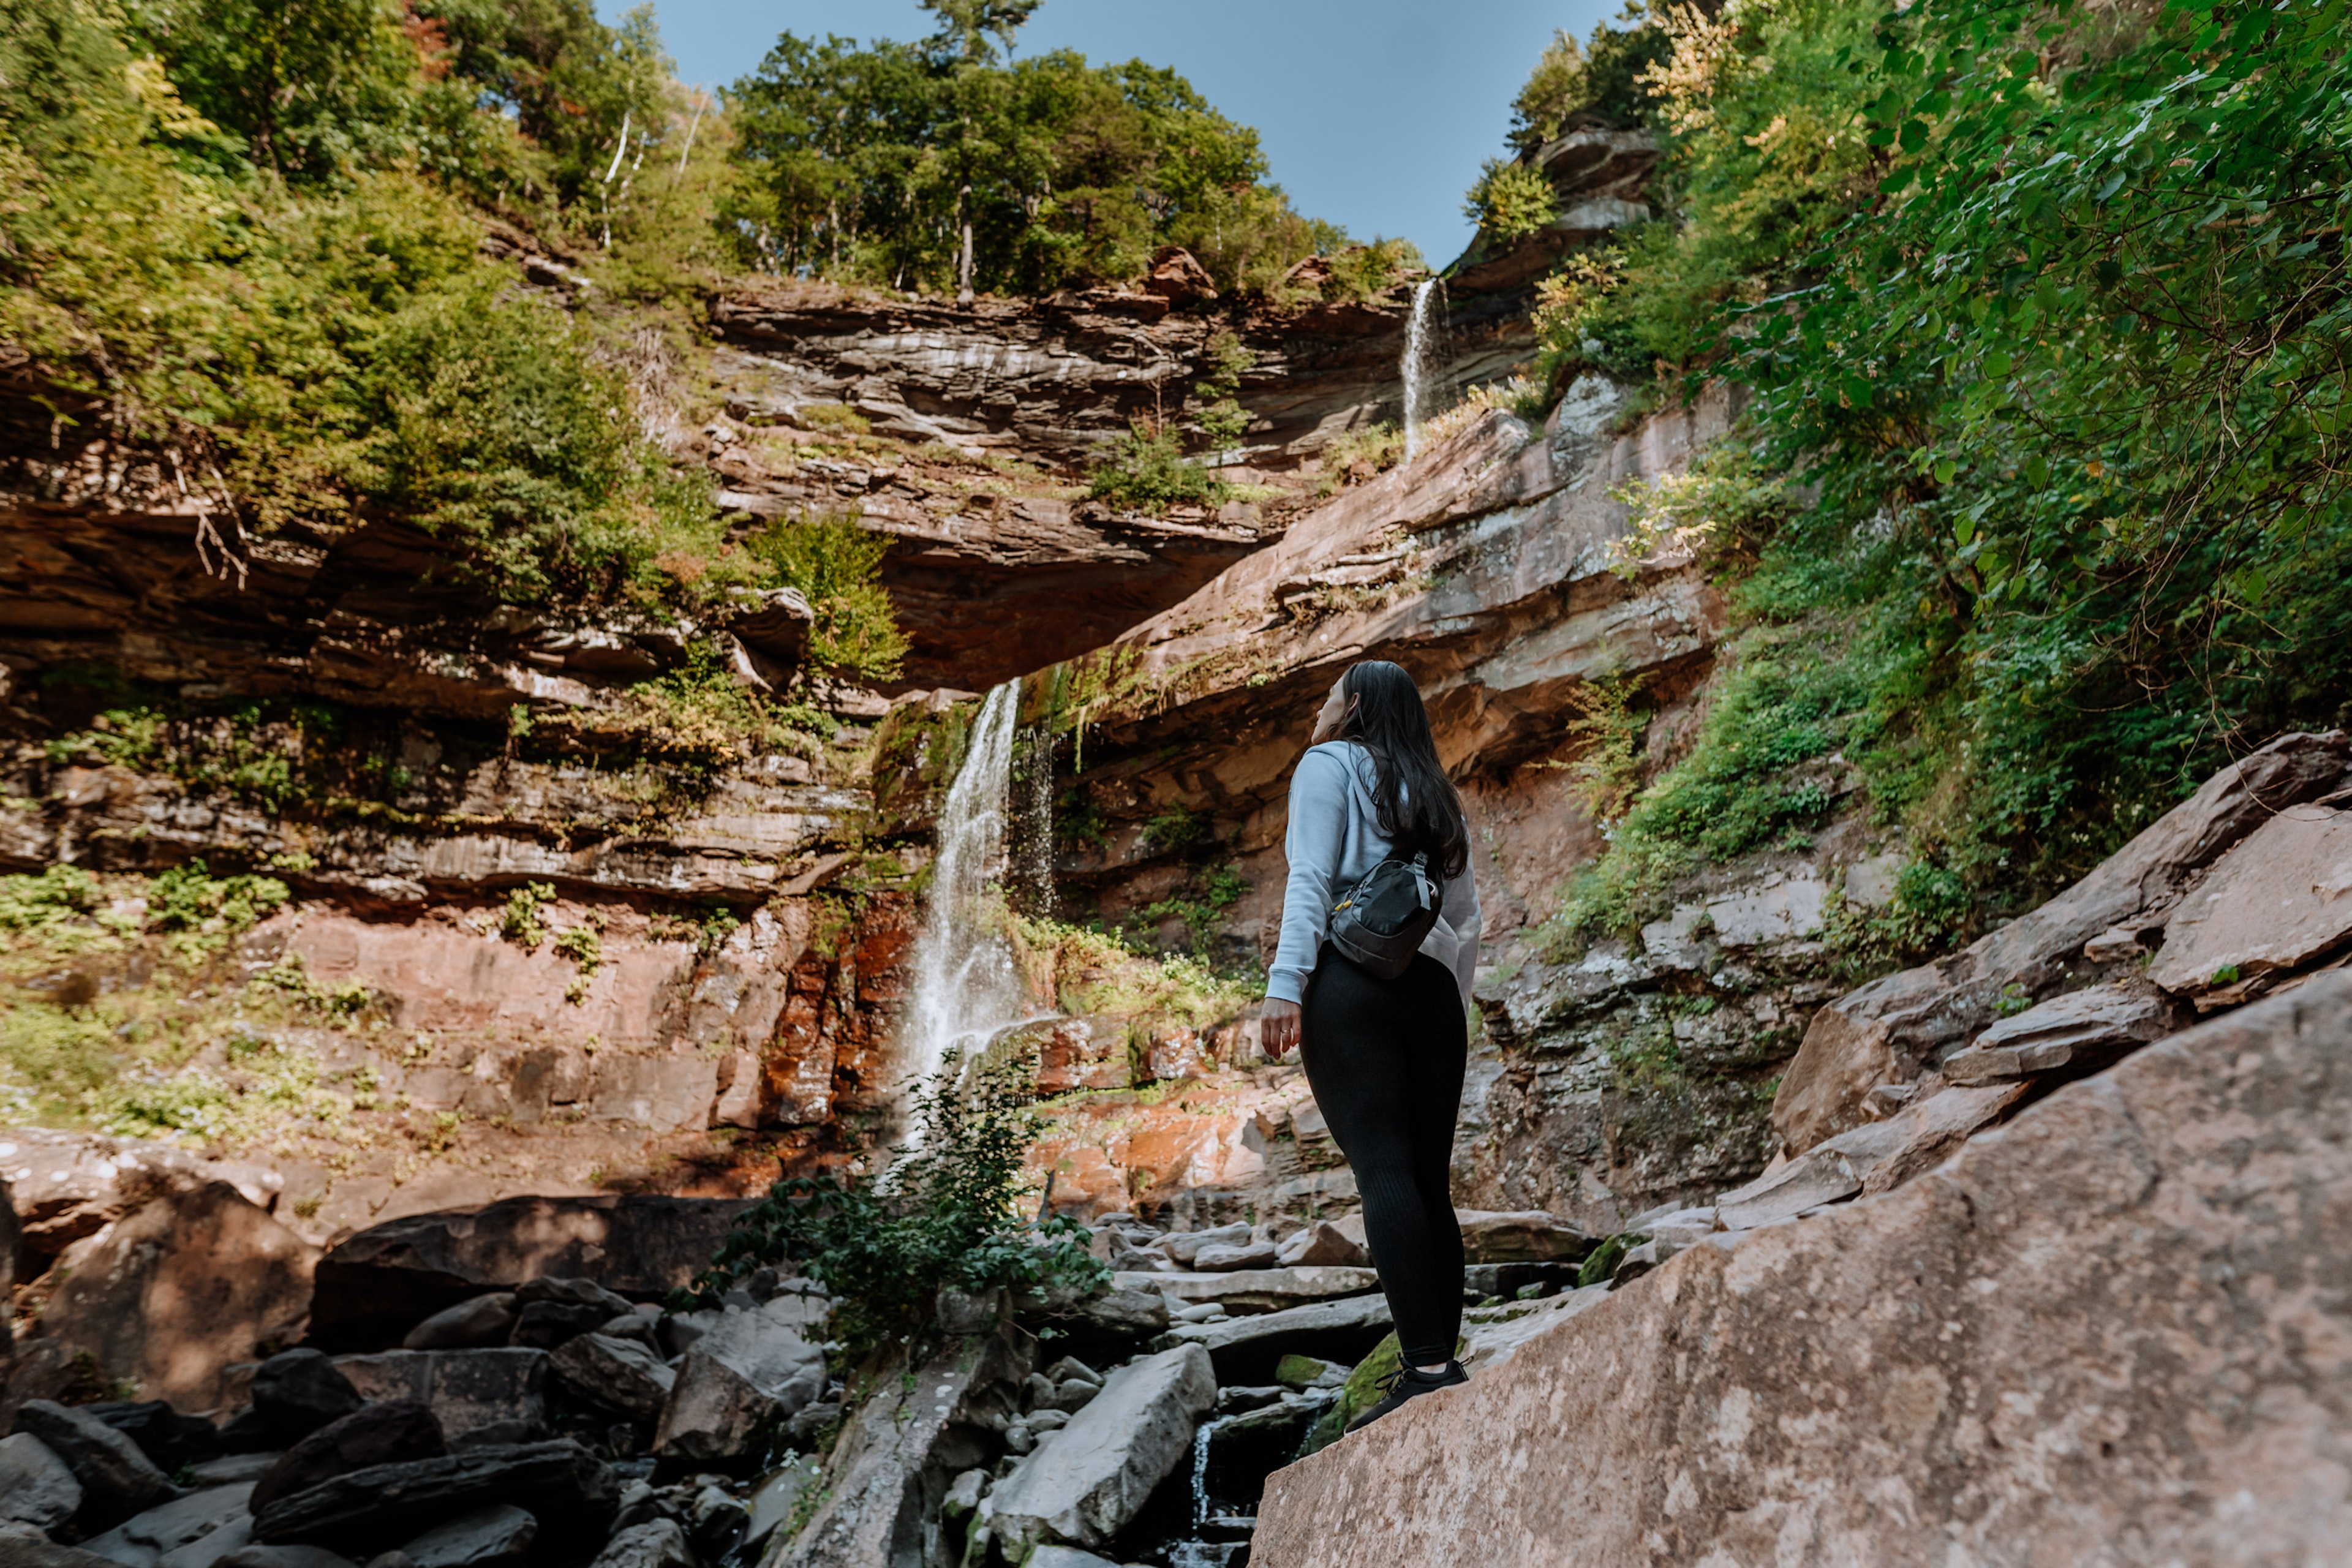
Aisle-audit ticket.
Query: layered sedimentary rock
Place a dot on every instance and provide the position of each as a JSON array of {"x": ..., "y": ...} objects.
[{"x": 2100, "y": 1335}]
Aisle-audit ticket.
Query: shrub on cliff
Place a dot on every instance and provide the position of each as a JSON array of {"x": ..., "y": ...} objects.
[{"x": 949, "y": 1213}]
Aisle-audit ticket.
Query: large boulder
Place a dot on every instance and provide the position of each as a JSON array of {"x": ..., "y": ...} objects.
[
  {"x": 572, "y": 1493},
  {"x": 68, "y": 1185},
  {"x": 624, "y": 1376},
  {"x": 501, "y": 1393},
  {"x": 35, "y": 1486},
  {"x": 750, "y": 1370},
  {"x": 174, "y": 1440},
  {"x": 388, "y": 1434},
  {"x": 2105, "y": 1332},
  {"x": 117, "y": 1481},
  {"x": 890, "y": 1469},
  {"x": 1086, "y": 1480},
  {"x": 297, "y": 1392},
  {"x": 471, "y": 1325},
  {"x": 175, "y": 1292},
  {"x": 376, "y": 1285}
]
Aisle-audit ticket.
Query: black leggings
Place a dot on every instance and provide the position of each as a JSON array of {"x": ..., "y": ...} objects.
[{"x": 1386, "y": 1058}]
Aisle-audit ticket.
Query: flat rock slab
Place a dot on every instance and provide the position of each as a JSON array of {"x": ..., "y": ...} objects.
[
  {"x": 1529, "y": 1235},
  {"x": 2102, "y": 1333},
  {"x": 2083, "y": 1029},
  {"x": 466, "y": 1390},
  {"x": 2278, "y": 901},
  {"x": 145, "y": 1538},
  {"x": 571, "y": 1492},
  {"x": 1085, "y": 1481},
  {"x": 35, "y": 1488},
  {"x": 484, "y": 1538},
  {"x": 1247, "y": 1350},
  {"x": 376, "y": 1286},
  {"x": 1255, "y": 1290}
]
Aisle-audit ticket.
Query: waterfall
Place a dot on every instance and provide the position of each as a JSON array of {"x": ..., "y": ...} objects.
[
  {"x": 967, "y": 989},
  {"x": 1424, "y": 360}
]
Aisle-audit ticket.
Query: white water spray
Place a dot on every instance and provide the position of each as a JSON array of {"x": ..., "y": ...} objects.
[
  {"x": 1423, "y": 359},
  {"x": 967, "y": 988}
]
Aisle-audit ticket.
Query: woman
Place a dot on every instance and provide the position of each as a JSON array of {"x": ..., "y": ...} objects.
[{"x": 1385, "y": 1056}]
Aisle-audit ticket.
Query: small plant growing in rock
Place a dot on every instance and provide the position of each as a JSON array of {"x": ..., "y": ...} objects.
[
  {"x": 520, "y": 923},
  {"x": 949, "y": 1213},
  {"x": 1147, "y": 469}
]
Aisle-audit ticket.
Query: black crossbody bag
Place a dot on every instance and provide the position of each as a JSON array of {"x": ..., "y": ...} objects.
[{"x": 1381, "y": 921}]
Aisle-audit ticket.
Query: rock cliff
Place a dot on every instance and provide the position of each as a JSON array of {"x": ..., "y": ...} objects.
[{"x": 2099, "y": 1335}]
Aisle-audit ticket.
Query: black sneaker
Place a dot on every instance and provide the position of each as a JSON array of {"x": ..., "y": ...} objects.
[{"x": 1409, "y": 1383}]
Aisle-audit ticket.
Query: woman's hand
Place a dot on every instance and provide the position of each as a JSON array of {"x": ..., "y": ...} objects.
[{"x": 1278, "y": 1028}]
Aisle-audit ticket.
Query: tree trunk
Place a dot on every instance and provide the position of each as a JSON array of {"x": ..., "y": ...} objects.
[{"x": 963, "y": 263}]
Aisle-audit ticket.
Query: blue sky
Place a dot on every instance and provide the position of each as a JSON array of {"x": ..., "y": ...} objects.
[{"x": 1375, "y": 113}]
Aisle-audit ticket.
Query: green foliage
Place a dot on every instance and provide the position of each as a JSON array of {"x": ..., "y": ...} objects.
[
  {"x": 1222, "y": 418},
  {"x": 1364, "y": 453},
  {"x": 52, "y": 898},
  {"x": 2007, "y": 286},
  {"x": 1511, "y": 200},
  {"x": 1146, "y": 469},
  {"x": 835, "y": 564},
  {"x": 950, "y": 1213},
  {"x": 1361, "y": 1391},
  {"x": 208, "y": 909},
  {"x": 520, "y": 922},
  {"x": 865, "y": 163},
  {"x": 1089, "y": 970},
  {"x": 1601, "y": 1262}
]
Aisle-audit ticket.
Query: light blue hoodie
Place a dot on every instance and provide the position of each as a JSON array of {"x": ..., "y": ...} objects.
[{"x": 1333, "y": 840}]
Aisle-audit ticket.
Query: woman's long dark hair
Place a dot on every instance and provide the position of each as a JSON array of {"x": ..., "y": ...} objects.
[{"x": 1416, "y": 803}]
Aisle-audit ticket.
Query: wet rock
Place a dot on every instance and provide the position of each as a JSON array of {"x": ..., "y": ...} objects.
[
  {"x": 2273, "y": 904},
  {"x": 619, "y": 1375},
  {"x": 481, "y": 1322},
  {"x": 35, "y": 1487},
  {"x": 1225, "y": 1258},
  {"x": 1257, "y": 1290},
  {"x": 231, "y": 1468},
  {"x": 117, "y": 1481},
  {"x": 297, "y": 1392},
  {"x": 172, "y": 1440},
  {"x": 1522, "y": 1237},
  {"x": 184, "y": 1286},
  {"x": 1247, "y": 1350},
  {"x": 488, "y": 1537},
  {"x": 773, "y": 1499},
  {"x": 145, "y": 1539},
  {"x": 374, "y": 1286},
  {"x": 2194, "y": 1195},
  {"x": 388, "y": 1434},
  {"x": 1098, "y": 1471},
  {"x": 468, "y": 1392},
  {"x": 571, "y": 1493},
  {"x": 750, "y": 1369},
  {"x": 1323, "y": 1243},
  {"x": 657, "y": 1543}
]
